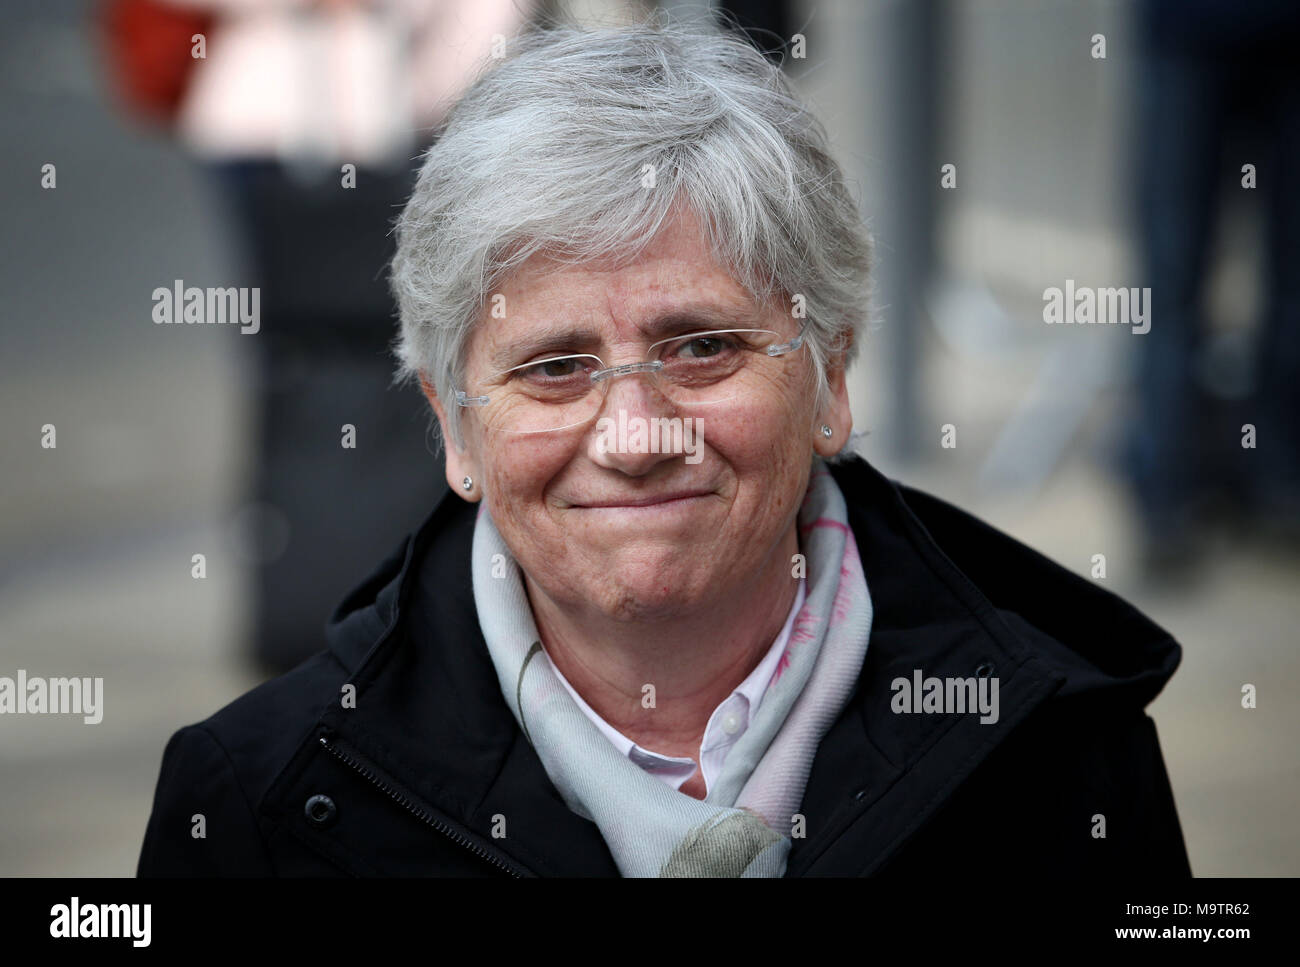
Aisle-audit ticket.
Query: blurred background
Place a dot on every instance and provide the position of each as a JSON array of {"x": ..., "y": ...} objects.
[{"x": 1151, "y": 143}]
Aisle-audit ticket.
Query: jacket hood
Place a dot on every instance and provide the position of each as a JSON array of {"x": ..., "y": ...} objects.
[{"x": 1099, "y": 641}]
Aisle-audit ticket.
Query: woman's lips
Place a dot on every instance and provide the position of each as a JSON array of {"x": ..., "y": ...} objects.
[{"x": 637, "y": 503}]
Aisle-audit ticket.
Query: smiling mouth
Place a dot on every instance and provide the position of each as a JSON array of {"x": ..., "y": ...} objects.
[{"x": 641, "y": 502}]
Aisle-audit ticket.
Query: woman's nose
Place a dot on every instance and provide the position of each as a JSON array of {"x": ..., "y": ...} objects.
[
  {"x": 637, "y": 394},
  {"x": 626, "y": 434}
]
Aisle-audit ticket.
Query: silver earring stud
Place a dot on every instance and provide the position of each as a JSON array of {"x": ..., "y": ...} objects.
[
  {"x": 827, "y": 431},
  {"x": 468, "y": 483}
]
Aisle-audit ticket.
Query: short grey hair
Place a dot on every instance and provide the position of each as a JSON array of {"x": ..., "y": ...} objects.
[{"x": 546, "y": 152}]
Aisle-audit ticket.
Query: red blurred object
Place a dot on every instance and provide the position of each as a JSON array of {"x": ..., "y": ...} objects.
[{"x": 149, "y": 50}]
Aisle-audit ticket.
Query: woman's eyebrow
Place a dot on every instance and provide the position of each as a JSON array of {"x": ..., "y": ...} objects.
[
  {"x": 583, "y": 339},
  {"x": 552, "y": 341},
  {"x": 699, "y": 319}
]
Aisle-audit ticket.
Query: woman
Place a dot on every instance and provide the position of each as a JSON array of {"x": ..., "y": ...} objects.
[{"x": 665, "y": 630}]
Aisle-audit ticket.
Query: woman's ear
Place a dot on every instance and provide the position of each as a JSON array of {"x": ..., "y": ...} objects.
[
  {"x": 459, "y": 463},
  {"x": 836, "y": 414}
]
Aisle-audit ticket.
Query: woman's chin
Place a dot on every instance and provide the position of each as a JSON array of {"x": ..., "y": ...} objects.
[{"x": 646, "y": 596}]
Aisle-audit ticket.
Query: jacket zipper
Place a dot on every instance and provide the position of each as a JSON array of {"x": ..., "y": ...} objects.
[{"x": 370, "y": 773}]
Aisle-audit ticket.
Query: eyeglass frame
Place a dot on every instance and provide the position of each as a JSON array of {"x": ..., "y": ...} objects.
[{"x": 641, "y": 366}]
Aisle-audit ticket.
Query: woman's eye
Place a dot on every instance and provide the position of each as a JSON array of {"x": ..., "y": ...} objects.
[
  {"x": 559, "y": 367},
  {"x": 703, "y": 346},
  {"x": 552, "y": 369}
]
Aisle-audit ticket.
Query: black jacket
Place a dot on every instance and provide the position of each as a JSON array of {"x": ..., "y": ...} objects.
[{"x": 406, "y": 783}]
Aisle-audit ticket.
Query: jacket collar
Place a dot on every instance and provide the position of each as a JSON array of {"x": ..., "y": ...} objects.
[{"x": 430, "y": 713}]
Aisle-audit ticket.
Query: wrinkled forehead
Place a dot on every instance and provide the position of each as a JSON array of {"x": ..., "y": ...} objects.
[{"x": 673, "y": 286}]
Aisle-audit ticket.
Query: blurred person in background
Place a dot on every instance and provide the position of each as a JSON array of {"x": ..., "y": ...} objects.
[
  {"x": 285, "y": 95},
  {"x": 1204, "y": 65}
]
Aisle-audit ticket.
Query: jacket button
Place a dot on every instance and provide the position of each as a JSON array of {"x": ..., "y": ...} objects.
[
  {"x": 320, "y": 811},
  {"x": 985, "y": 670}
]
